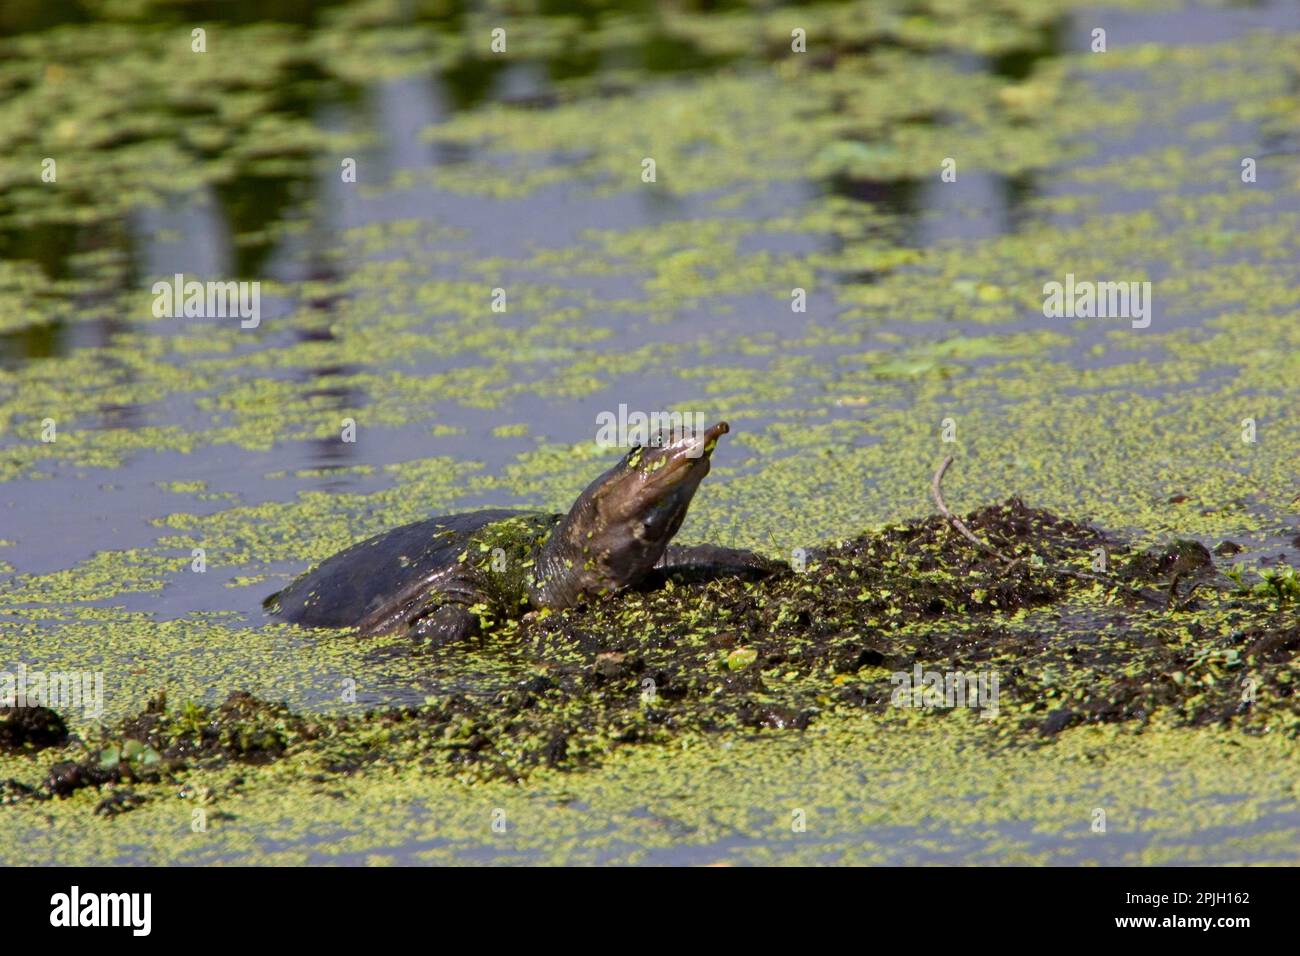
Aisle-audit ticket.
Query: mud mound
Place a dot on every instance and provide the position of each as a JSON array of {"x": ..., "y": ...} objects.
[
  {"x": 30, "y": 728},
  {"x": 1058, "y": 624}
]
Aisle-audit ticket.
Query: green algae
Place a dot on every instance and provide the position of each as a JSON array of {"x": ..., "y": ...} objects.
[
  {"x": 842, "y": 414},
  {"x": 894, "y": 789},
  {"x": 265, "y": 410}
]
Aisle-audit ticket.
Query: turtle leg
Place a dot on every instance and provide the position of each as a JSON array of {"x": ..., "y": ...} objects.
[
  {"x": 445, "y": 624},
  {"x": 704, "y": 562}
]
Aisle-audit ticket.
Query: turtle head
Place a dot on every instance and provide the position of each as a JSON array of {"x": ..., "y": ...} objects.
[{"x": 621, "y": 524}]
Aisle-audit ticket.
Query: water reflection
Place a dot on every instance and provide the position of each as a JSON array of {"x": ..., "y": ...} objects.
[
  {"x": 239, "y": 236},
  {"x": 1018, "y": 64},
  {"x": 327, "y": 452}
]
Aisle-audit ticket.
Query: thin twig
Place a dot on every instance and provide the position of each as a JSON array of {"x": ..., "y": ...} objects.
[{"x": 936, "y": 492}]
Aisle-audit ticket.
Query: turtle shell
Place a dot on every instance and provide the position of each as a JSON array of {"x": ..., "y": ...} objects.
[{"x": 374, "y": 579}]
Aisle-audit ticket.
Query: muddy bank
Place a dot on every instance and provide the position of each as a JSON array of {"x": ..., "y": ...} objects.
[{"x": 1054, "y": 623}]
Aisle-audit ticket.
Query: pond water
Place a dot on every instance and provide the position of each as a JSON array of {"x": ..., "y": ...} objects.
[{"x": 523, "y": 172}]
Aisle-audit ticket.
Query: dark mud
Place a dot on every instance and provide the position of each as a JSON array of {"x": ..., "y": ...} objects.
[
  {"x": 1164, "y": 636},
  {"x": 30, "y": 728}
]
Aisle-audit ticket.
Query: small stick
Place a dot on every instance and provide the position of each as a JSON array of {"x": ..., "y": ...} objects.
[{"x": 936, "y": 492}]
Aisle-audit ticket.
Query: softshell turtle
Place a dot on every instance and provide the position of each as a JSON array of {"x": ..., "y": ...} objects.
[{"x": 444, "y": 578}]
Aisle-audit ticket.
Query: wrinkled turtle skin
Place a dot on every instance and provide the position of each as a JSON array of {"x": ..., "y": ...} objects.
[{"x": 445, "y": 578}]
